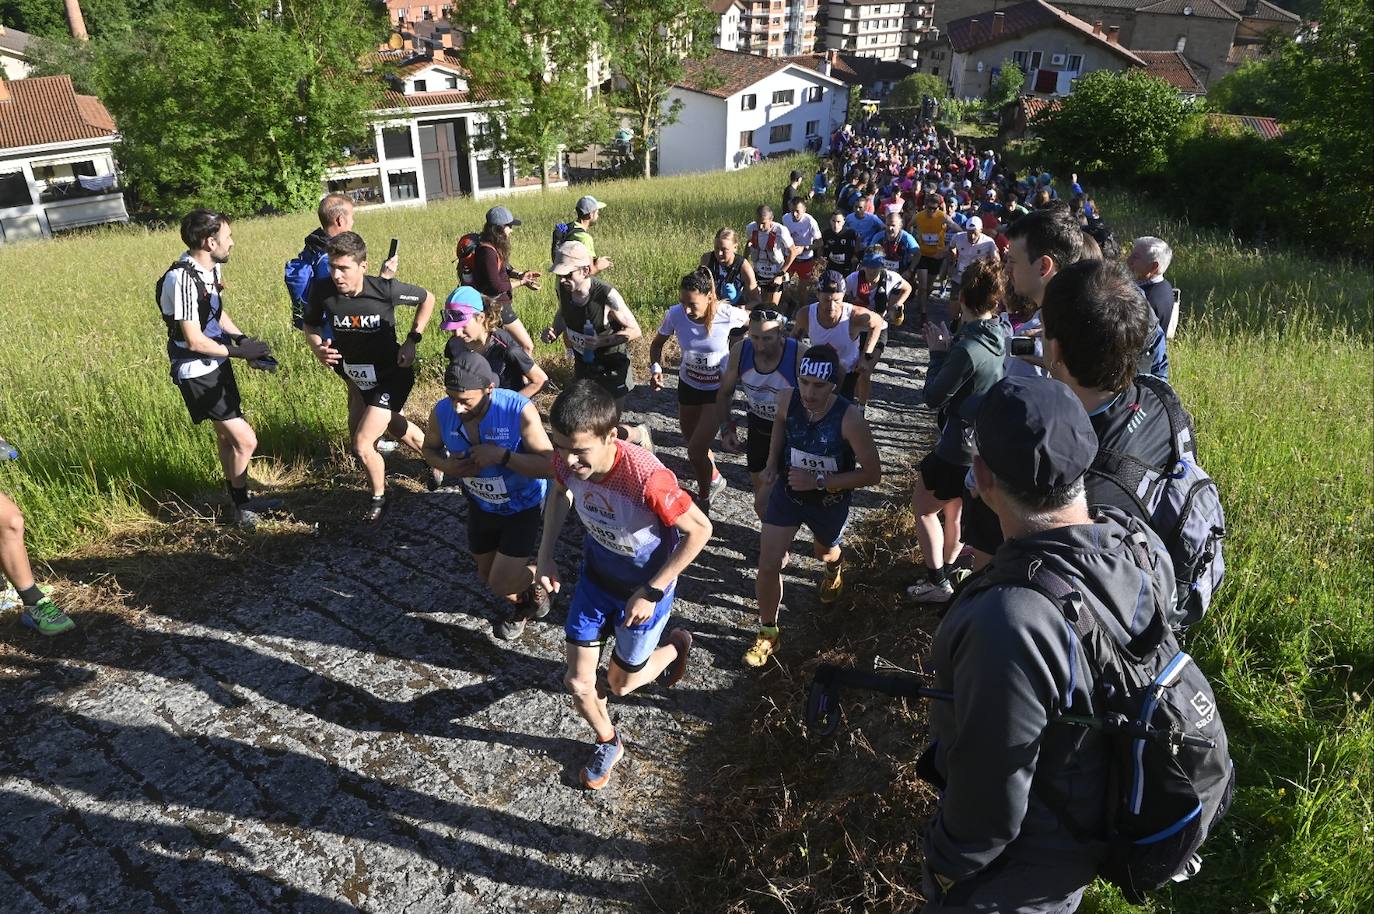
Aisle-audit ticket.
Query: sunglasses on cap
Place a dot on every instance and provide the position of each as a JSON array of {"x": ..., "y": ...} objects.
[{"x": 764, "y": 315}]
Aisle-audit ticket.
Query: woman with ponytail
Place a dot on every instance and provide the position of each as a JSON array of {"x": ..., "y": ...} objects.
[{"x": 704, "y": 327}]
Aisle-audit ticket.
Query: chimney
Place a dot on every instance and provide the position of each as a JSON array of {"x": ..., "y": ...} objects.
[
  {"x": 75, "y": 21},
  {"x": 1097, "y": 27},
  {"x": 446, "y": 38},
  {"x": 1114, "y": 34},
  {"x": 973, "y": 29},
  {"x": 999, "y": 21}
]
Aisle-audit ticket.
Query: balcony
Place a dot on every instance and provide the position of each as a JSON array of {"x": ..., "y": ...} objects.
[{"x": 87, "y": 209}]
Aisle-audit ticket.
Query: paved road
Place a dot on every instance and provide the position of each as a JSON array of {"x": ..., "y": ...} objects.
[{"x": 345, "y": 734}]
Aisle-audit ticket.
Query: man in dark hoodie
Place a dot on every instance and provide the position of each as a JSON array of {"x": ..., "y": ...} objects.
[
  {"x": 336, "y": 217},
  {"x": 1011, "y": 664}
]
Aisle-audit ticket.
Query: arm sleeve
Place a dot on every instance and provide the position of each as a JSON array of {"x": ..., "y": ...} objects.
[
  {"x": 488, "y": 267},
  {"x": 941, "y": 384},
  {"x": 665, "y": 497}
]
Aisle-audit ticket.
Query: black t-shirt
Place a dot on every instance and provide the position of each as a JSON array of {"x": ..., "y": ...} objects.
[
  {"x": 503, "y": 354},
  {"x": 841, "y": 249},
  {"x": 364, "y": 325},
  {"x": 1160, "y": 295},
  {"x": 789, "y": 193},
  {"x": 1136, "y": 424}
]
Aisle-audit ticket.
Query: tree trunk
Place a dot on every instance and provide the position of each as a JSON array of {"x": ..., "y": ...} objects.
[
  {"x": 75, "y": 21},
  {"x": 543, "y": 174},
  {"x": 644, "y": 139}
]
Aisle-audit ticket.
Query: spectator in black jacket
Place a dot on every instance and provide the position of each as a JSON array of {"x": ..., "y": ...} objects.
[
  {"x": 1018, "y": 788},
  {"x": 1149, "y": 260}
]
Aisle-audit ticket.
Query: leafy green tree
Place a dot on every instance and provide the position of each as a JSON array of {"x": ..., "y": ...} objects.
[
  {"x": 537, "y": 57},
  {"x": 912, "y": 89},
  {"x": 1006, "y": 86},
  {"x": 237, "y": 108},
  {"x": 1114, "y": 123},
  {"x": 1256, "y": 88},
  {"x": 646, "y": 49}
]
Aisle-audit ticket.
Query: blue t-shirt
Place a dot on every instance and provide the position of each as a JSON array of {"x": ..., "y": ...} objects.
[
  {"x": 496, "y": 489},
  {"x": 898, "y": 252},
  {"x": 865, "y": 226}
]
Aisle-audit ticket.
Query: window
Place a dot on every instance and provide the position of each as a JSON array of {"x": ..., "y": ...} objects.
[
  {"x": 748, "y": 102},
  {"x": 746, "y": 139},
  {"x": 814, "y": 93},
  {"x": 1181, "y": 44},
  {"x": 813, "y": 128},
  {"x": 934, "y": 71},
  {"x": 1075, "y": 62},
  {"x": 784, "y": 96},
  {"x": 780, "y": 133},
  {"x": 421, "y": 86},
  {"x": 404, "y": 185},
  {"x": 1036, "y": 58},
  {"x": 396, "y": 143},
  {"x": 14, "y": 190},
  {"x": 1019, "y": 58},
  {"x": 491, "y": 173},
  {"x": 451, "y": 82}
]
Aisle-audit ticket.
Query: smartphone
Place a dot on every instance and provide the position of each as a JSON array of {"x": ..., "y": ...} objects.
[
  {"x": 395, "y": 243},
  {"x": 266, "y": 363},
  {"x": 1023, "y": 345}
]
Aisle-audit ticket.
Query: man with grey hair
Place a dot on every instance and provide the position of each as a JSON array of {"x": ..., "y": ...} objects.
[{"x": 1149, "y": 260}]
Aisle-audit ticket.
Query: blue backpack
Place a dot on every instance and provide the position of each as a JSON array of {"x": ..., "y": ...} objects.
[
  {"x": 1181, "y": 504},
  {"x": 300, "y": 271}
]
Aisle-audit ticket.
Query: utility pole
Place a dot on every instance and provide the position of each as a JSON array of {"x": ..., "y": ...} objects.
[{"x": 75, "y": 21}]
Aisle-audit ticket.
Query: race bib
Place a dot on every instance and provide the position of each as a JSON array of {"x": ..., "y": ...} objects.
[
  {"x": 490, "y": 489},
  {"x": 364, "y": 377},
  {"x": 703, "y": 366},
  {"x": 813, "y": 463},
  {"x": 581, "y": 341},
  {"x": 890, "y": 264},
  {"x": 762, "y": 403},
  {"x": 617, "y": 541},
  {"x": 766, "y": 270},
  {"x": 930, "y": 238}
]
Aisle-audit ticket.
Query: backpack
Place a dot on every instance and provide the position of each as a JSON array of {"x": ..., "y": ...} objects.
[
  {"x": 1181, "y": 504},
  {"x": 299, "y": 272},
  {"x": 1171, "y": 773},
  {"x": 204, "y": 301},
  {"x": 565, "y": 231},
  {"x": 727, "y": 279},
  {"x": 465, "y": 252}
]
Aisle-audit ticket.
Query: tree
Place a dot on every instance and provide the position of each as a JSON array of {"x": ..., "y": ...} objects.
[
  {"x": 1254, "y": 88},
  {"x": 912, "y": 89},
  {"x": 236, "y": 108},
  {"x": 647, "y": 48},
  {"x": 1006, "y": 85},
  {"x": 538, "y": 58},
  {"x": 1118, "y": 124}
]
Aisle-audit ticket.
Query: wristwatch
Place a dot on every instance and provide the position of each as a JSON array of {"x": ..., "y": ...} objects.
[
  {"x": 652, "y": 592},
  {"x": 414, "y": 336},
  {"x": 820, "y": 480}
]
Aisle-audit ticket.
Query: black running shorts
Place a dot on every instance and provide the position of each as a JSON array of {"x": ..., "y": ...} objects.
[
  {"x": 687, "y": 395},
  {"x": 759, "y": 443},
  {"x": 931, "y": 265},
  {"x": 941, "y": 478},
  {"x": 391, "y": 391},
  {"x": 213, "y": 396},
  {"x": 515, "y": 535}
]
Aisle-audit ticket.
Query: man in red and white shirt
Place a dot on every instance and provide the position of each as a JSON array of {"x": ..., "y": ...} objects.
[{"x": 771, "y": 250}]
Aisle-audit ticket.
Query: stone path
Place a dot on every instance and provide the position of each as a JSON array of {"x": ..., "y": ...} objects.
[{"x": 345, "y": 734}]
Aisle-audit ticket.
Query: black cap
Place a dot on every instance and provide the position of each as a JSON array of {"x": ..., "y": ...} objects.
[
  {"x": 822, "y": 363},
  {"x": 1034, "y": 435},
  {"x": 468, "y": 371},
  {"x": 831, "y": 281}
]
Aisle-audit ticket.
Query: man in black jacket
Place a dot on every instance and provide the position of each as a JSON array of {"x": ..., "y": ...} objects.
[{"x": 1022, "y": 793}]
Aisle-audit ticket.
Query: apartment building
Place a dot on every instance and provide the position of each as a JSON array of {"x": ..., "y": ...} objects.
[
  {"x": 778, "y": 28},
  {"x": 885, "y": 29}
]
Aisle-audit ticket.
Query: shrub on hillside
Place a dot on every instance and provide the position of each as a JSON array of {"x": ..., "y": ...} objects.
[
  {"x": 1114, "y": 124},
  {"x": 1204, "y": 183},
  {"x": 911, "y": 90}
]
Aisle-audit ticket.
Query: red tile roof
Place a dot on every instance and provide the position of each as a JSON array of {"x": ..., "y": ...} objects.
[
  {"x": 1173, "y": 68},
  {"x": 44, "y": 110},
  {"x": 721, "y": 7},
  {"x": 1022, "y": 19},
  {"x": 1036, "y": 106},
  {"x": 1266, "y": 127},
  {"x": 726, "y": 72},
  {"x": 1241, "y": 53},
  {"x": 1202, "y": 9},
  {"x": 395, "y": 100}
]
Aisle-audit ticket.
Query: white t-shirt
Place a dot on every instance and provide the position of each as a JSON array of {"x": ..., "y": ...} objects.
[
  {"x": 984, "y": 249},
  {"x": 804, "y": 232},
  {"x": 180, "y": 301},
  {"x": 704, "y": 351},
  {"x": 768, "y": 251}
]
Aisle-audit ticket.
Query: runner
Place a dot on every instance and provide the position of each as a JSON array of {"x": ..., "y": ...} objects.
[
  {"x": 201, "y": 340},
  {"x": 818, "y": 438},
  {"x": 840, "y": 245},
  {"x": 588, "y": 212},
  {"x": 702, "y": 327},
  {"x": 494, "y": 441},
  {"x": 643, "y": 531},
  {"x": 606, "y": 326},
  {"x": 379, "y": 371},
  {"x": 494, "y": 276},
  {"x": 805, "y": 232},
  {"x": 880, "y": 290},
  {"x": 899, "y": 249},
  {"x": 865, "y": 225},
  {"x": 477, "y": 328},
  {"x": 968, "y": 246},
  {"x": 763, "y": 363},
  {"x": 837, "y": 323},
  {"x": 771, "y": 251},
  {"x": 733, "y": 273},
  {"x": 36, "y": 607},
  {"x": 931, "y": 224}
]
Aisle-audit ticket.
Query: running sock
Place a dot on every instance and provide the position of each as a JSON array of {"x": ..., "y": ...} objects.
[
  {"x": 31, "y": 594},
  {"x": 239, "y": 494},
  {"x": 938, "y": 576},
  {"x": 769, "y": 630},
  {"x": 607, "y": 742}
]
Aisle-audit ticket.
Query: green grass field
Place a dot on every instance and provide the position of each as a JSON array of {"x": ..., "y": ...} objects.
[{"x": 1275, "y": 359}]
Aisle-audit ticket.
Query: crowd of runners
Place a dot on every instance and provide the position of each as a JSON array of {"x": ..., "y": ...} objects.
[{"x": 1047, "y": 356}]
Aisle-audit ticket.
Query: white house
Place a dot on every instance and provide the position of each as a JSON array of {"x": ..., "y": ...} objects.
[
  {"x": 57, "y": 167},
  {"x": 14, "y": 53},
  {"x": 735, "y": 106},
  {"x": 729, "y": 15},
  {"x": 424, "y": 145}
]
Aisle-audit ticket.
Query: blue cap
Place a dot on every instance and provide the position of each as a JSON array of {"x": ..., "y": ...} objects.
[
  {"x": 462, "y": 303},
  {"x": 1034, "y": 434},
  {"x": 872, "y": 261}
]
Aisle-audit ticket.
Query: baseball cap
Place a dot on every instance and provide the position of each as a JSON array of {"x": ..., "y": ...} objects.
[
  {"x": 975, "y": 224},
  {"x": 468, "y": 371},
  {"x": 821, "y": 363},
  {"x": 872, "y": 261},
  {"x": 967, "y": 184},
  {"x": 462, "y": 303},
  {"x": 499, "y": 215},
  {"x": 571, "y": 255},
  {"x": 589, "y": 204},
  {"x": 1034, "y": 434},
  {"x": 831, "y": 281}
]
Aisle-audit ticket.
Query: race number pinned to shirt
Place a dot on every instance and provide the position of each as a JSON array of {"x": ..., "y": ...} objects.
[
  {"x": 581, "y": 341},
  {"x": 364, "y": 377},
  {"x": 619, "y": 541},
  {"x": 490, "y": 489},
  {"x": 766, "y": 269},
  {"x": 813, "y": 463},
  {"x": 703, "y": 367},
  {"x": 763, "y": 402}
]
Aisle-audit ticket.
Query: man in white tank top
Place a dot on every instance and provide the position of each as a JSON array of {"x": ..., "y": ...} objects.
[{"x": 834, "y": 322}]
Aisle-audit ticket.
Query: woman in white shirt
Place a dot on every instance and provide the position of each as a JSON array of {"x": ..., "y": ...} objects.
[{"x": 703, "y": 325}]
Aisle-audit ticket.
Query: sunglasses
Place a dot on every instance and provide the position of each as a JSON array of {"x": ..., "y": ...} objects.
[{"x": 765, "y": 315}]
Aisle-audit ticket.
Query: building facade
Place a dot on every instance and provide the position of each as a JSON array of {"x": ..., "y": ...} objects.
[
  {"x": 885, "y": 29},
  {"x": 14, "y": 56},
  {"x": 729, "y": 23},
  {"x": 778, "y": 28}
]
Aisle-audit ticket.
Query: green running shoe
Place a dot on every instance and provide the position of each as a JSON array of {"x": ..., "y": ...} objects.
[{"x": 46, "y": 618}]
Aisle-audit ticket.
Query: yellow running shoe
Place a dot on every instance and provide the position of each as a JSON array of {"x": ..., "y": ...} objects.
[
  {"x": 832, "y": 584},
  {"x": 764, "y": 646}
]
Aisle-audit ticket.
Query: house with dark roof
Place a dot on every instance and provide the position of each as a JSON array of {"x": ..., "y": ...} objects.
[
  {"x": 874, "y": 77},
  {"x": 1051, "y": 47},
  {"x": 426, "y": 138},
  {"x": 57, "y": 168},
  {"x": 737, "y": 108}
]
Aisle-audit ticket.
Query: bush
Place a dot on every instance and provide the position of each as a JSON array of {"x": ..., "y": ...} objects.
[
  {"x": 910, "y": 91},
  {"x": 1007, "y": 85},
  {"x": 1205, "y": 184},
  {"x": 1115, "y": 124}
]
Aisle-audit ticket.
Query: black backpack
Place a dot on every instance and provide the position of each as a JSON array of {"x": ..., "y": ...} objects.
[
  {"x": 1181, "y": 504},
  {"x": 204, "y": 301},
  {"x": 1171, "y": 773}
]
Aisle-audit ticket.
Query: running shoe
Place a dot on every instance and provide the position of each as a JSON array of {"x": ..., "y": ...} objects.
[
  {"x": 672, "y": 674},
  {"x": 718, "y": 485},
  {"x": 832, "y": 583},
  {"x": 246, "y": 518},
  {"x": 898, "y": 315},
  {"x": 597, "y": 774},
  {"x": 538, "y": 599},
  {"x": 376, "y": 510},
  {"x": 10, "y": 599},
  {"x": 764, "y": 646},
  {"x": 434, "y": 480},
  {"x": 511, "y": 625},
  {"x": 646, "y": 437},
  {"x": 959, "y": 576},
  {"x": 930, "y": 592},
  {"x": 386, "y": 446},
  {"x": 46, "y": 619}
]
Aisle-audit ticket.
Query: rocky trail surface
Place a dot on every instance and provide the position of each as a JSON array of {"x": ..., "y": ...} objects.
[{"x": 344, "y": 733}]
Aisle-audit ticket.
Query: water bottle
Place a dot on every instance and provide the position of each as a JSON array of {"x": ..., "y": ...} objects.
[
  {"x": 8, "y": 451},
  {"x": 588, "y": 353}
]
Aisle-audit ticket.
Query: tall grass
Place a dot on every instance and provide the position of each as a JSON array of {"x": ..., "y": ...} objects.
[{"x": 84, "y": 387}]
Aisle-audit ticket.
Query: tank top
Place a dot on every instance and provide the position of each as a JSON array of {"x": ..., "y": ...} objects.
[
  {"x": 760, "y": 388},
  {"x": 819, "y": 447},
  {"x": 837, "y": 337},
  {"x": 594, "y": 309},
  {"x": 496, "y": 489},
  {"x": 729, "y": 285}
]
